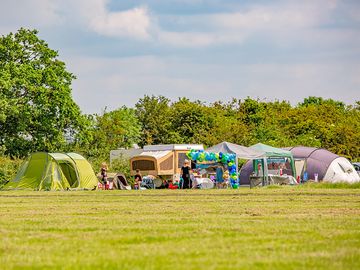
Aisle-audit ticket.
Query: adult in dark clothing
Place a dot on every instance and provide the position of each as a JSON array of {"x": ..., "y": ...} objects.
[{"x": 185, "y": 174}]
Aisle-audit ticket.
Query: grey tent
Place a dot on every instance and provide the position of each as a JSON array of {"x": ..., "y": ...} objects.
[
  {"x": 118, "y": 179},
  {"x": 120, "y": 182},
  {"x": 327, "y": 165},
  {"x": 240, "y": 151}
]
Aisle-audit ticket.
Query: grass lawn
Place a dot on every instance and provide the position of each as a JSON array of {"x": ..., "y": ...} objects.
[{"x": 266, "y": 228}]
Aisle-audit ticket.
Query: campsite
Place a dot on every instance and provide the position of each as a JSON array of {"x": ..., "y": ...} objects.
[{"x": 179, "y": 134}]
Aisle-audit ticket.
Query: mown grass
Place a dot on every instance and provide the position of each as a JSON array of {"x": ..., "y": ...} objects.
[{"x": 284, "y": 228}]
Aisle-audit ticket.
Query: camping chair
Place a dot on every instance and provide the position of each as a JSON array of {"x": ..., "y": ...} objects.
[{"x": 147, "y": 182}]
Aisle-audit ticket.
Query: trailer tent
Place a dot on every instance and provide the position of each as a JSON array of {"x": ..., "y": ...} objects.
[
  {"x": 162, "y": 161},
  {"x": 54, "y": 171}
]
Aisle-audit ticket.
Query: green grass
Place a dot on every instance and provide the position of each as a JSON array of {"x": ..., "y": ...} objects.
[{"x": 282, "y": 228}]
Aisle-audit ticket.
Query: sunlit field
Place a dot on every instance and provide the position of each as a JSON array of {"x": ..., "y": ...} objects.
[{"x": 264, "y": 228}]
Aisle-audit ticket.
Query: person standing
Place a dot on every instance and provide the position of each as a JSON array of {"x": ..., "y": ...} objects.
[
  {"x": 219, "y": 176},
  {"x": 185, "y": 174},
  {"x": 103, "y": 171}
]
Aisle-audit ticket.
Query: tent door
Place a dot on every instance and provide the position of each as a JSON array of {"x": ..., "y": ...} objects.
[
  {"x": 299, "y": 166},
  {"x": 69, "y": 171}
]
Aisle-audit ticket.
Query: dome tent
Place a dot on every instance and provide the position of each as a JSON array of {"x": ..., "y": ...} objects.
[
  {"x": 328, "y": 166},
  {"x": 54, "y": 171}
]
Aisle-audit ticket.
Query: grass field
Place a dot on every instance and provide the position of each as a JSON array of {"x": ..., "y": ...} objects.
[{"x": 267, "y": 228}]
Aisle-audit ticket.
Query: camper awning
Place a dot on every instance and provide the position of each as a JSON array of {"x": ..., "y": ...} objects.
[{"x": 155, "y": 154}]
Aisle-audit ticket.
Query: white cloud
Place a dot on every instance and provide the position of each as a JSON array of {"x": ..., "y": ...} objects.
[
  {"x": 281, "y": 22},
  {"x": 133, "y": 23},
  {"x": 318, "y": 60},
  {"x": 29, "y": 14},
  {"x": 95, "y": 16},
  {"x": 293, "y": 15},
  {"x": 125, "y": 80}
]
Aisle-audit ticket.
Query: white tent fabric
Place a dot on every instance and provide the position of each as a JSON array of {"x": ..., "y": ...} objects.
[
  {"x": 155, "y": 154},
  {"x": 203, "y": 183},
  {"x": 341, "y": 170},
  {"x": 240, "y": 151}
]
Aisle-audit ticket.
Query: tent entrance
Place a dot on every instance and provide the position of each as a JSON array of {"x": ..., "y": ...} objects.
[
  {"x": 69, "y": 172},
  {"x": 299, "y": 166}
]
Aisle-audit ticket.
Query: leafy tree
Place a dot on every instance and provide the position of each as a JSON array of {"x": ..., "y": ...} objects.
[
  {"x": 38, "y": 111},
  {"x": 111, "y": 130},
  {"x": 190, "y": 120},
  {"x": 320, "y": 101},
  {"x": 227, "y": 124},
  {"x": 154, "y": 115}
]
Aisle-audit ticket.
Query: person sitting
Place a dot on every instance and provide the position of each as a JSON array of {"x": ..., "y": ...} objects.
[{"x": 138, "y": 179}]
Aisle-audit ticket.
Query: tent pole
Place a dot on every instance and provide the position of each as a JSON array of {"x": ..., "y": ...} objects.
[
  {"x": 237, "y": 172},
  {"x": 265, "y": 172}
]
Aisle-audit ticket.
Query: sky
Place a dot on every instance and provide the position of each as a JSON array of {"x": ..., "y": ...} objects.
[{"x": 205, "y": 50}]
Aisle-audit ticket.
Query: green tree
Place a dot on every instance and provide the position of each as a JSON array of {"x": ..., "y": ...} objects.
[
  {"x": 111, "y": 130},
  {"x": 38, "y": 111},
  {"x": 227, "y": 124},
  {"x": 154, "y": 115},
  {"x": 191, "y": 121}
]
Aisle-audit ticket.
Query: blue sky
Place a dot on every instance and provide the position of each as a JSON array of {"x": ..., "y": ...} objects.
[{"x": 202, "y": 49}]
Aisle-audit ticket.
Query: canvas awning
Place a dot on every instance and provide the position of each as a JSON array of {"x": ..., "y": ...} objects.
[
  {"x": 272, "y": 151},
  {"x": 275, "y": 152},
  {"x": 242, "y": 152},
  {"x": 155, "y": 154},
  {"x": 239, "y": 150}
]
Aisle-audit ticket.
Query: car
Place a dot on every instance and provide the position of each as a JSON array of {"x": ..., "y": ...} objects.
[{"x": 357, "y": 167}]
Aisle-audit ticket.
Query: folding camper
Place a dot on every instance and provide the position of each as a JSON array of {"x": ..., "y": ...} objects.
[{"x": 164, "y": 161}]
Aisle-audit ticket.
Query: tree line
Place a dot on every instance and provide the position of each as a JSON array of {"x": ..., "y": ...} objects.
[{"x": 38, "y": 114}]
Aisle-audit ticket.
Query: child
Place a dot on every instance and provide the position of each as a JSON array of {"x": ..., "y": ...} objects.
[
  {"x": 103, "y": 170},
  {"x": 138, "y": 179},
  {"x": 226, "y": 177}
]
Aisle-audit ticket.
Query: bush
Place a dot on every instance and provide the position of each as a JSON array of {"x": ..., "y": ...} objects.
[
  {"x": 121, "y": 165},
  {"x": 8, "y": 169}
]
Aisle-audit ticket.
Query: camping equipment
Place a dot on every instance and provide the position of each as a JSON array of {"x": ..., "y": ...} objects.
[{"x": 54, "y": 171}]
